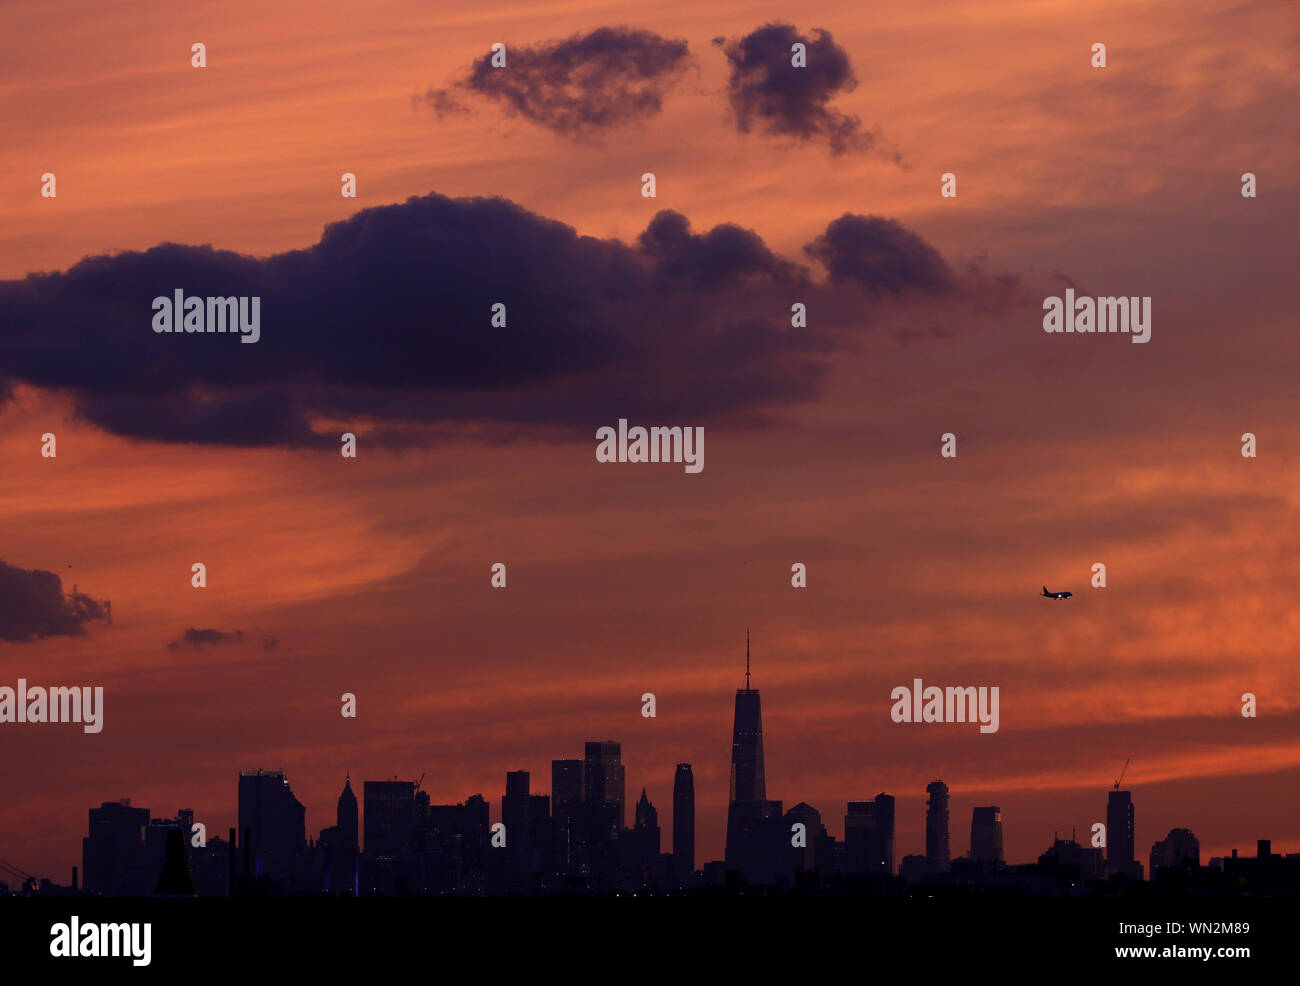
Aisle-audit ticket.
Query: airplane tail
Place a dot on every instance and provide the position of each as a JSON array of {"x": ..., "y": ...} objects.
[{"x": 1044, "y": 590}]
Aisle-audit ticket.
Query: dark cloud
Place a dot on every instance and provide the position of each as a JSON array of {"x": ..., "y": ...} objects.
[
  {"x": 197, "y": 639},
  {"x": 769, "y": 92},
  {"x": 726, "y": 255},
  {"x": 386, "y": 323},
  {"x": 33, "y": 606},
  {"x": 575, "y": 87},
  {"x": 880, "y": 255}
]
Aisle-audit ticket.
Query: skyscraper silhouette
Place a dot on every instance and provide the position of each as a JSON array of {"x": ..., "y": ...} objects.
[
  {"x": 683, "y": 824},
  {"x": 869, "y": 835},
  {"x": 1120, "y": 834},
  {"x": 514, "y": 814},
  {"x": 390, "y": 817},
  {"x": 346, "y": 815},
  {"x": 801, "y": 855},
  {"x": 343, "y": 844},
  {"x": 986, "y": 834},
  {"x": 752, "y": 820},
  {"x": 747, "y": 778},
  {"x": 113, "y": 857},
  {"x": 603, "y": 780},
  {"x": 643, "y": 850},
  {"x": 568, "y": 828},
  {"x": 602, "y": 783},
  {"x": 474, "y": 830},
  {"x": 936, "y": 827},
  {"x": 274, "y": 824}
]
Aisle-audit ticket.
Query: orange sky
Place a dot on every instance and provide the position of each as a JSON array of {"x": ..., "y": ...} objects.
[{"x": 373, "y": 573}]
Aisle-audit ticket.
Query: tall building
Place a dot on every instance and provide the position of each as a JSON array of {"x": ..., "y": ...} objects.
[
  {"x": 1120, "y": 834},
  {"x": 802, "y": 857},
  {"x": 602, "y": 789},
  {"x": 684, "y": 823},
  {"x": 936, "y": 827},
  {"x": 346, "y": 816},
  {"x": 114, "y": 856},
  {"x": 514, "y": 806},
  {"x": 747, "y": 776},
  {"x": 986, "y": 835},
  {"x": 514, "y": 815},
  {"x": 643, "y": 845},
  {"x": 273, "y": 825},
  {"x": 869, "y": 835},
  {"x": 475, "y": 829},
  {"x": 568, "y": 830},
  {"x": 541, "y": 835},
  {"x": 753, "y": 822},
  {"x": 603, "y": 779},
  {"x": 342, "y": 846},
  {"x": 390, "y": 817}
]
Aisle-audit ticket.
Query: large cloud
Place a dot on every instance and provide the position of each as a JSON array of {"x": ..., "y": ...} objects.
[
  {"x": 33, "y": 606},
  {"x": 768, "y": 92},
  {"x": 387, "y": 320},
  {"x": 583, "y": 84}
]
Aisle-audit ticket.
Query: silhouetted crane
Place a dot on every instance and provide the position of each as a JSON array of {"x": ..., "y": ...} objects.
[{"x": 1123, "y": 772}]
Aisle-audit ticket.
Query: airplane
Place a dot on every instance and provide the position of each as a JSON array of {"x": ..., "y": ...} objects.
[{"x": 1056, "y": 595}]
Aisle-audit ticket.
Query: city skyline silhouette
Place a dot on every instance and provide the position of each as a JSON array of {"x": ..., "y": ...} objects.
[{"x": 396, "y": 842}]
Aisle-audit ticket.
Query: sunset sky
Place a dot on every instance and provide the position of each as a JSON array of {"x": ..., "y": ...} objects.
[{"x": 476, "y": 444}]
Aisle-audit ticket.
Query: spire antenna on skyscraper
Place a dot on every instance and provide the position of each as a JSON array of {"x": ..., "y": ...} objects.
[{"x": 746, "y": 658}]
